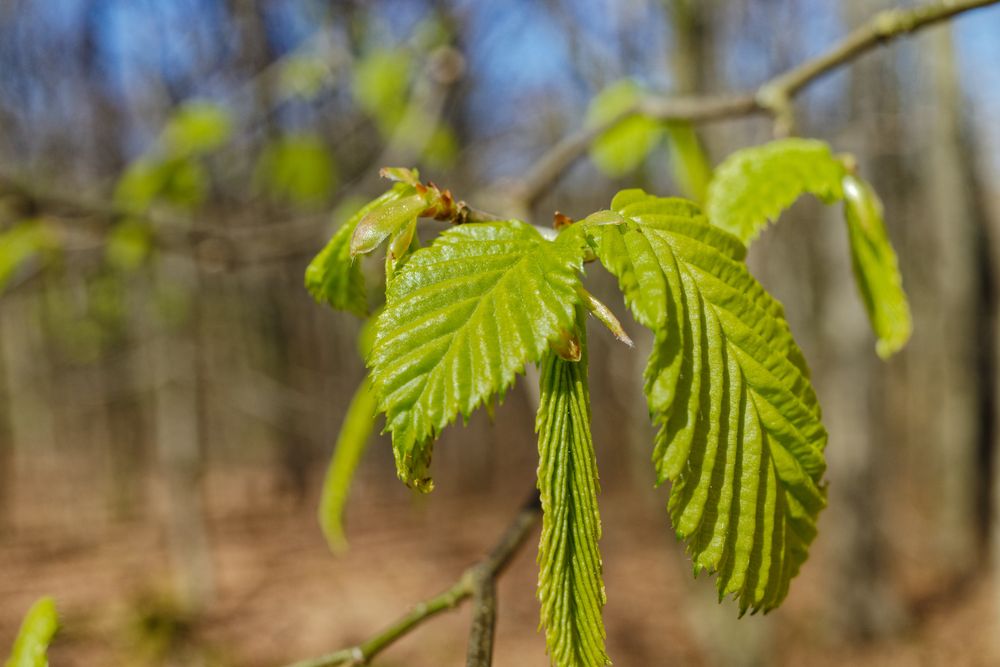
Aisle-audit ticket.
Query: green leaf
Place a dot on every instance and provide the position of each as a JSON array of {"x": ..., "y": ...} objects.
[
  {"x": 351, "y": 443},
  {"x": 197, "y": 128},
  {"x": 21, "y": 244},
  {"x": 297, "y": 168},
  {"x": 876, "y": 268},
  {"x": 740, "y": 434},
  {"x": 333, "y": 276},
  {"x": 754, "y": 185},
  {"x": 37, "y": 630},
  {"x": 462, "y": 317},
  {"x": 623, "y": 147},
  {"x": 570, "y": 586}
]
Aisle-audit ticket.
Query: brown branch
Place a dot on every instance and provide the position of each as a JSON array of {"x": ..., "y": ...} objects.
[
  {"x": 473, "y": 581},
  {"x": 773, "y": 97}
]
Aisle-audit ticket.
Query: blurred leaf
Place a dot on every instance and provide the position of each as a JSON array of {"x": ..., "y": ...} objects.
[
  {"x": 185, "y": 182},
  {"x": 441, "y": 148},
  {"x": 140, "y": 185},
  {"x": 876, "y": 268},
  {"x": 623, "y": 147},
  {"x": 355, "y": 433},
  {"x": 303, "y": 76},
  {"x": 37, "y": 631},
  {"x": 297, "y": 168},
  {"x": 381, "y": 83},
  {"x": 197, "y": 128},
  {"x": 129, "y": 244},
  {"x": 22, "y": 243},
  {"x": 690, "y": 164}
]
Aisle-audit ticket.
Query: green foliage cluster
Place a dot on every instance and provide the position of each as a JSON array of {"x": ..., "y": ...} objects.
[{"x": 740, "y": 437}]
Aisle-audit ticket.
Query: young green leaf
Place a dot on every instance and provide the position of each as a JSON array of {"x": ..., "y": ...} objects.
[
  {"x": 351, "y": 443},
  {"x": 37, "y": 630},
  {"x": 570, "y": 587},
  {"x": 624, "y": 146},
  {"x": 333, "y": 276},
  {"x": 740, "y": 434},
  {"x": 381, "y": 222},
  {"x": 754, "y": 185},
  {"x": 296, "y": 168},
  {"x": 462, "y": 317},
  {"x": 876, "y": 268}
]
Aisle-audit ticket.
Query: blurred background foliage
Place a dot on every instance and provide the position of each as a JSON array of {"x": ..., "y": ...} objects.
[{"x": 169, "y": 392}]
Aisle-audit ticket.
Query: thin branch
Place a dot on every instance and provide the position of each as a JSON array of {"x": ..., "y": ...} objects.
[
  {"x": 773, "y": 97},
  {"x": 468, "y": 584},
  {"x": 484, "y": 619}
]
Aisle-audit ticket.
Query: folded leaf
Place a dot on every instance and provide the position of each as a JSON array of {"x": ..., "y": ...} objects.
[
  {"x": 570, "y": 587},
  {"x": 462, "y": 317},
  {"x": 740, "y": 434}
]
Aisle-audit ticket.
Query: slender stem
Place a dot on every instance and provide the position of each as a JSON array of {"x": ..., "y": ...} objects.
[
  {"x": 773, "y": 97},
  {"x": 472, "y": 581},
  {"x": 484, "y": 619}
]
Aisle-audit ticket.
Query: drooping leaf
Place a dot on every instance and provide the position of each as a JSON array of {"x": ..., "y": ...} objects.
[
  {"x": 876, "y": 268},
  {"x": 333, "y": 276},
  {"x": 754, "y": 185},
  {"x": 359, "y": 422},
  {"x": 37, "y": 631},
  {"x": 624, "y": 146},
  {"x": 740, "y": 434},
  {"x": 570, "y": 585},
  {"x": 462, "y": 318}
]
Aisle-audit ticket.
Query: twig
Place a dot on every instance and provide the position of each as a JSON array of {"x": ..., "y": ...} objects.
[
  {"x": 471, "y": 581},
  {"x": 773, "y": 97},
  {"x": 484, "y": 618}
]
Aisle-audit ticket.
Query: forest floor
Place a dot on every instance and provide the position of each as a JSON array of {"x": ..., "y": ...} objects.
[{"x": 280, "y": 595}]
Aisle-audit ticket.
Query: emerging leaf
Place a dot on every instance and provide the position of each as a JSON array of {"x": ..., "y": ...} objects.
[
  {"x": 37, "y": 630},
  {"x": 754, "y": 185},
  {"x": 876, "y": 269},
  {"x": 570, "y": 587},
  {"x": 333, "y": 276},
  {"x": 462, "y": 317},
  {"x": 740, "y": 434}
]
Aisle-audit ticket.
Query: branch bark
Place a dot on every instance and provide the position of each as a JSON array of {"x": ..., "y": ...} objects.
[
  {"x": 773, "y": 97},
  {"x": 479, "y": 579}
]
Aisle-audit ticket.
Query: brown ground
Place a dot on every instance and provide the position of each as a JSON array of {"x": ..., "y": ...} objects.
[{"x": 281, "y": 595}]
